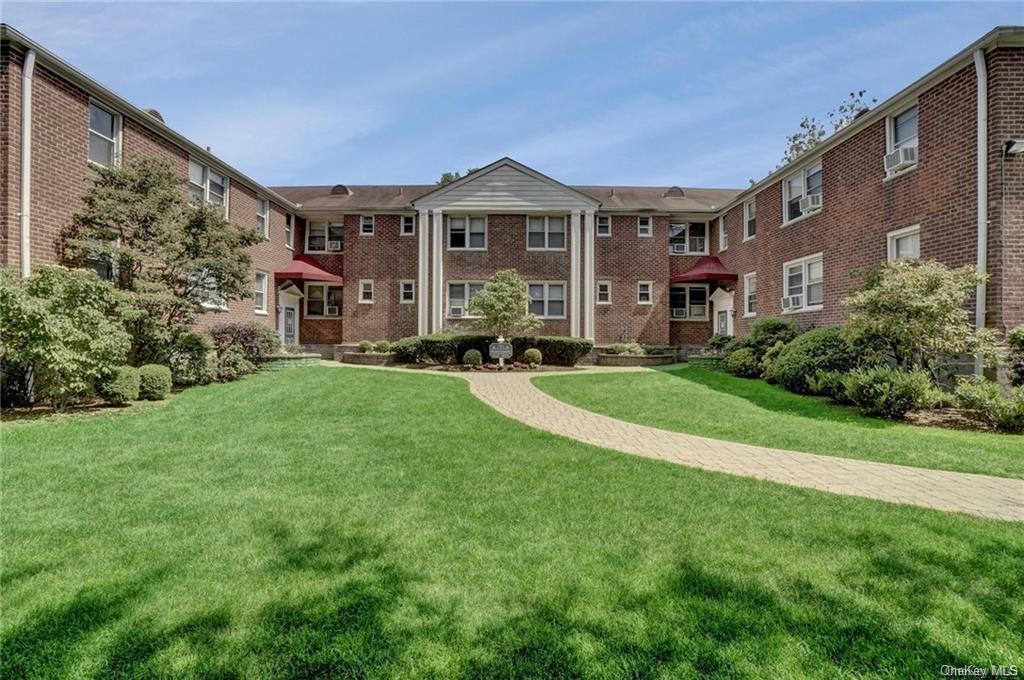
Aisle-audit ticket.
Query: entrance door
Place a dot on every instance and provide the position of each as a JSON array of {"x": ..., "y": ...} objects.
[
  {"x": 722, "y": 325},
  {"x": 722, "y": 299},
  {"x": 288, "y": 319}
]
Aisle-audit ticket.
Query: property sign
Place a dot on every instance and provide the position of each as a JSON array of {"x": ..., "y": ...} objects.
[{"x": 500, "y": 350}]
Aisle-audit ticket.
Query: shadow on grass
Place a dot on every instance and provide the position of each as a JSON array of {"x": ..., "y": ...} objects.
[
  {"x": 373, "y": 622},
  {"x": 774, "y": 398}
]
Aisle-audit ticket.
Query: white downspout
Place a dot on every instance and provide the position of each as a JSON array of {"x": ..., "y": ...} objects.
[
  {"x": 979, "y": 310},
  {"x": 27, "y": 71}
]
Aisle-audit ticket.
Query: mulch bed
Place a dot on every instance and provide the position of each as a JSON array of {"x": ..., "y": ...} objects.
[
  {"x": 951, "y": 418},
  {"x": 493, "y": 368}
]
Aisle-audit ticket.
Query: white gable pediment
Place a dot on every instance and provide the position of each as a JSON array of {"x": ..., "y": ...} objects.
[{"x": 506, "y": 186}]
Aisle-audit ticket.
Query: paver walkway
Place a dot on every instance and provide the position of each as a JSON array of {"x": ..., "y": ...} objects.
[{"x": 515, "y": 396}]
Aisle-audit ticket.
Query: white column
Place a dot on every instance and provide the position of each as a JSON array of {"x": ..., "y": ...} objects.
[
  {"x": 422, "y": 271},
  {"x": 588, "y": 274},
  {"x": 574, "y": 274},
  {"x": 437, "y": 273}
]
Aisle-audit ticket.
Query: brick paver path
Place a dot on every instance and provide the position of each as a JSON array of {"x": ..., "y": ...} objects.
[{"x": 515, "y": 396}]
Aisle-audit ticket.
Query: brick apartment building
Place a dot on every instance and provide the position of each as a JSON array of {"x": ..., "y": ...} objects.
[{"x": 934, "y": 172}]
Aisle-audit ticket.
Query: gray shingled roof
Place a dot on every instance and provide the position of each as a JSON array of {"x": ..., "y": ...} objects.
[{"x": 399, "y": 196}]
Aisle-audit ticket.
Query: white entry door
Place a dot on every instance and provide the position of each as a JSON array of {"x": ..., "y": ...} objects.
[
  {"x": 722, "y": 301},
  {"x": 288, "y": 319}
]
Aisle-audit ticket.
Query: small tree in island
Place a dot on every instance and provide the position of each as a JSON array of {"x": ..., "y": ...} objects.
[{"x": 503, "y": 306}]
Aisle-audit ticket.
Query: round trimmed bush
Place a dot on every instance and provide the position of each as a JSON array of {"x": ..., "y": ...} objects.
[
  {"x": 154, "y": 382},
  {"x": 823, "y": 349},
  {"x": 120, "y": 386},
  {"x": 383, "y": 347},
  {"x": 743, "y": 363},
  {"x": 472, "y": 357},
  {"x": 889, "y": 392},
  {"x": 735, "y": 344},
  {"x": 766, "y": 332},
  {"x": 533, "y": 356},
  {"x": 717, "y": 342},
  {"x": 365, "y": 346}
]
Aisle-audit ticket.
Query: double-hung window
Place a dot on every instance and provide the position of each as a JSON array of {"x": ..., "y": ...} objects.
[
  {"x": 467, "y": 233},
  {"x": 604, "y": 292},
  {"x": 206, "y": 289},
  {"x": 645, "y": 292},
  {"x": 643, "y": 226},
  {"x": 903, "y": 129},
  {"x": 289, "y": 231},
  {"x": 547, "y": 299},
  {"x": 323, "y": 299},
  {"x": 545, "y": 233},
  {"x": 723, "y": 234},
  {"x": 750, "y": 294},
  {"x": 459, "y": 295},
  {"x": 207, "y": 186},
  {"x": 408, "y": 225},
  {"x": 802, "y": 192},
  {"x": 904, "y": 244},
  {"x": 323, "y": 237},
  {"x": 688, "y": 238},
  {"x": 802, "y": 284},
  {"x": 749, "y": 219},
  {"x": 259, "y": 293},
  {"x": 604, "y": 225},
  {"x": 407, "y": 292},
  {"x": 104, "y": 136},
  {"x": 366, "y": 225},
  {"x": 101, "y": 256},
  {"x": 263, "y": 217},
  {"x": 366, "y": 292},
  {"x": 688, "y": 301}
]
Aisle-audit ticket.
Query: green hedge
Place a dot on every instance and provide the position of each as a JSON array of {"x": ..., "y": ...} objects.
[
  {"x": 447, "y": 348},
  {"x": 822, "y": 349},
  {"x": 154, "y": 382},
  {"x": 119, "y": 386}
]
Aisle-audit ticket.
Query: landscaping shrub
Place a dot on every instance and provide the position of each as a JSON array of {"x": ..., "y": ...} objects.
[
  {"x": 1003, "y": 412},
  {"x": 382, "y": 346},
  {"x": 822, "y": 349},
  {"x": 769, "y": 359},
  {"x": 766, "y": 332},
  {"x": 407, "y": 350},
  {"x": 154, "y": 382},
  {"x": 735, "y": 344},
  {"x": 889, "y": 392},
  {"x": 717, "y": 342},
  {"x": 743, "y": 363},
  {"x": 654, "y": 349},
  {"x": 533, "y": 356},
  {"x": 446, "y": 348},
  {"x": 193, "y": 361},
  {"x": 1015, "y": 339},
  {"x": 556, "y": 350},
  {"x": 254, "y": 339},
  {"x": 828, "y": 384},
  {"x": 472, "y": 357},
  {"x": 119, "y": 386},
  {"x": 232, "y": 365},
  {"x": 365, "y": 346},
  {"x": 632, "y": 349}
]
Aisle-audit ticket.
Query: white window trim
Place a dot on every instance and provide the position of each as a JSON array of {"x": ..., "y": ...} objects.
[
  {"x": 401, "y": 225},
  {"x": 547, "y": 233},
  {"x": 373, "y": 225},
  {"x": 707, "y": 239},
  {"x": 327, "y": 235},
  {"x": 707, "y": 301},
  {"x": 785, "y": 282},
  {"x": 265, "y": 216},
  {"x": 289, "y": 231},
  {"x": 465, "y": 283},
  {"x": 803, "y": 176},
  {"x": 547, "y": 298},
  {"x": 650, "y": 289},
  {"x": 362, "y": 283},
  {"x": 890, "y": 137},
  {"x": 747, "y": 236},
  {"x": 206, "y": 185},
  {"x": 597, "y": 290},
  {"x": 262, "y": 311},
  {"x": 746, "y": 294},
  {"x": 467, "y": 217},
  {"x": 305, "y": 304},
  {"x": 222, "y": 306},
  {"x": 892, "y": 236},
  {"x": 650, "y": 226},
  {"x": 118, "y": 133},
  {"x": 401, "y": 292},
  {"x": 597, "y": 221},
  {"x": 723, "y": 235}
]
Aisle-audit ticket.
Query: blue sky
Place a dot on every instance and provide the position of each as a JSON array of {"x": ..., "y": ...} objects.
[{"x": 601, "y": 93}]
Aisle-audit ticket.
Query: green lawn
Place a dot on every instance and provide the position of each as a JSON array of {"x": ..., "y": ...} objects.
[
  {"x": 342, "y": 522},
  {"x": 719, "y": 405}
]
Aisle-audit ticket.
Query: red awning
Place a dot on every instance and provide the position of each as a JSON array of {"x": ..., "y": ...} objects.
[
  {"x": 305, "y": 268},
  {"x": 708, "y": 268}
]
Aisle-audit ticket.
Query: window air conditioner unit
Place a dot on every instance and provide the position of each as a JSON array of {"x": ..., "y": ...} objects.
[
  {"x": 679, "y": 248},
  {"x": 810, "y": 203},
  {"x": 793, "y": 302},
  {"x": 333, "y": 311},
  {"x": 334, "y": 245},
  {"x": 901, "y": 158},
  {"x": 457, "y": 311},
  {"x": 679, "y": 312}
]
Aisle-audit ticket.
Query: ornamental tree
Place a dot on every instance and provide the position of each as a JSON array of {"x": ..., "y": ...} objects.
[
  {"x": 813, "y": 131},
  {"x": 503, "y": 306},
  {"x": 169, "y": 256},
  {"x": 914, "y": 313}
]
